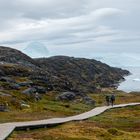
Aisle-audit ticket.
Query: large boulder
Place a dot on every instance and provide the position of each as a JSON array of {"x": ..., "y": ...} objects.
[
  {"x": 24, "y": 105},
  {"x": 4, "y": 94},
  {"x": 2, "y": 73},
  {"x": 14, "y": 86},
  {"x": 26, "y": 83},
  {"x": 67, "y": 96},
  {"x": 7, "y": 79},
  {"x": 29, "y": 91},
  {"x": 40, "y": 89},
  {"x": 89, "y": 101},
  {"x": 35, "y": 89},
  {"x": 3, "y": 108}
]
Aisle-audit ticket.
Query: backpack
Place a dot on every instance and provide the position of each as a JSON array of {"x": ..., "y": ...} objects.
[
  {"x": 107, "y": 98},
  {"x": 112, "y": 97}
]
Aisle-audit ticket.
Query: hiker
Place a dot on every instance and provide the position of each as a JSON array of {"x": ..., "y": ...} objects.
[
  {"x": 36, "y": 96},
  {"x": 108, "y": 100},
  {"x": 112, "y": 99}
]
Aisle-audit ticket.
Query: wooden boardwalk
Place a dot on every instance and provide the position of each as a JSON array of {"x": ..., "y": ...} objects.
[{"x": 7, "y": 128}]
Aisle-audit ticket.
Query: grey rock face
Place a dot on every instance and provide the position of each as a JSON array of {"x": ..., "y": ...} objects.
[
  {"x": 15, "y": 86},
  {"x": 5, "y": 94},
  {"x": 10, "y": 55},
  {"x": 3, "y": 108},
  {"x": 66, "y": 96},
  {"x": 29, "y": 91},
  {"x": 35, "y": 89},
  {"x": 40, "y": 89},
  {"x": 28, "y": 83},
  {"x": 88, "y": 100},
  {"x": 7, "y": 79}
]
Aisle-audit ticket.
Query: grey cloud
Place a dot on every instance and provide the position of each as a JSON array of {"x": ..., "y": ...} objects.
[
  {"x": 55, "y": 29},
  {"x": 50, "y": 8},
  {"x": 69, "y": 22},
  {"x": 127, "y": 39}
]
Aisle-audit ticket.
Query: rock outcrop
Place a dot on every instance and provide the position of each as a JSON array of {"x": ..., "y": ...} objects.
[
  {"x": 80, "y": 74},
  {"x": 66, "y": 96},
  {"x": 60, "y": 73}
]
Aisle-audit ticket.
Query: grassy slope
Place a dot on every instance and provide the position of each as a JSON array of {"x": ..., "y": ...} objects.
[
  {"x": 115, "y": 124},
  {"x": 121, "y": 97},
  {"x": 48, "y": 107}
]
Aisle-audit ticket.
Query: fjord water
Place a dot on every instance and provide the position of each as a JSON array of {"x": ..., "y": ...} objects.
[
  {"x": 130, "y": 62},
  {"x": 132, "y": 82}
]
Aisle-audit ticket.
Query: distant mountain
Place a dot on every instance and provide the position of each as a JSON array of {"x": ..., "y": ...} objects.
[{"x": 36, "y": 50}]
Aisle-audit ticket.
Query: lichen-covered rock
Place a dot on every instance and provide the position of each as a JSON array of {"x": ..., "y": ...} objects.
[
  {"x": 68, "y": 96},
  {"x": 29, "y": 91},
  {"x": 40, "y": 89},
  {"x": 14, "y": 86},
  {"x": 7, "y": 79},
  {"x": 3, "y": 108},
  {"x": 35, "y": 89},
  {"x": 26, "y": 83},
  {"x": 10, "y": 55},
  {"x": 88, "y": 100},
  {"x": 5, "y": 94}
]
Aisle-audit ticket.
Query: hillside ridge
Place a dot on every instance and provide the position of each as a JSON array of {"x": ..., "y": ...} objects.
[{"x": 60, "y": 73}]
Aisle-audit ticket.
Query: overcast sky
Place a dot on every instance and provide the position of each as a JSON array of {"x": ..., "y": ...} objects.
[{"x": 73, "y": 27}]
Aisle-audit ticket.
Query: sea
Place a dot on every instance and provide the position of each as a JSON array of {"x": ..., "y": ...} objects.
[
  {"x": 129, "y": 62},
  {"x": 132, "y": 82}
]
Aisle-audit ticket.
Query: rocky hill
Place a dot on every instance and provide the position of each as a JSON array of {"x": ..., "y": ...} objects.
[
  {"x": 59, "y": 73},
  {"x": 83, "y": 74},
  {"x": 8, "y": 55}
]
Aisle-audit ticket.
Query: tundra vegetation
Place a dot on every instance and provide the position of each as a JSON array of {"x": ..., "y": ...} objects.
[
  {"x": 60, "y": 86},
  {"x": 114, "y": 124}
]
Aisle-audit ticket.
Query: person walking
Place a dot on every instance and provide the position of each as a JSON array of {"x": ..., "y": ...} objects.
[
  {"x": 107, "y": 100},
  {"x": 112, "y": 99},
  {"x": 36, "y": 97}
]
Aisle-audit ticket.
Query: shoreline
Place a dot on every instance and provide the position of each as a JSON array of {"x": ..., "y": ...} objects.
[{"x": 129, "y": 84}]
